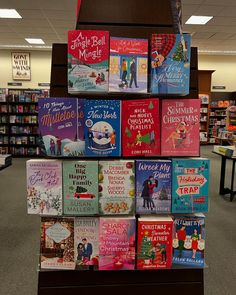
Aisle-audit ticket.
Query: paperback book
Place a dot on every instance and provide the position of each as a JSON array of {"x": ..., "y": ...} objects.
[
  {"x": 140, "y": 127},
  {"x": 170, "y": 63},
  {"x": 80, "y": 187},
  {"x": 117, "y": 243},
  {"x": 190, "y": 185},
  {"x": 189, "y": 240},
  {"x": 180, "y": 125},
  {"x": 88, "y": 53},
  {"x": 61, "y": 126},
  {"x": 154, "y": 242},
  {"x": 153, "y": 186},
  {"x": 86, "y": 238},
  {"x": 102, "y": 128},
  {"x": 116, "y": 187},
  {"x": 44, "y": 187},
  {"x": 128, "y": 65},
  {"x": 57, "y": 243}
]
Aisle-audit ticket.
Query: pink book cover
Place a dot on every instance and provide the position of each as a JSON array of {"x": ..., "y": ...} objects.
[
  {"x": 180, "y": 127},
  {"x": 117, "y": 243}
]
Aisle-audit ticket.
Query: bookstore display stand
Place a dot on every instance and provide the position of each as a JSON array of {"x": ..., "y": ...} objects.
[{"x": 132, "y": 18}]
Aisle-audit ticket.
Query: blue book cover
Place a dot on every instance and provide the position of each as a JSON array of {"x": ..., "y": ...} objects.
[
  {"x": 153, "y": 186},
  {"x": 102, "y": 128},
  {"x": 170, "y": 63},
  {"x": 189, "y": 240},
  {"x": 190, "y": 184},
  {"x": 61, "y": 126}
]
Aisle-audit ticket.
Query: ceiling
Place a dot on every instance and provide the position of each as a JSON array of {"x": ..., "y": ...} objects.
[{"x": 51, "y": 19}]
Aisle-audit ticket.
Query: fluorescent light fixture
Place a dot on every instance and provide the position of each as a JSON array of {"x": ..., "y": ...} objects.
[
  {"x": 198, "y": 20},
  {"x": 34, "y": 41},
  {"x": 9, "y": 13}
]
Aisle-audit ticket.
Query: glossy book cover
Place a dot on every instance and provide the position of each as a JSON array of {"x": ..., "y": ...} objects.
[
  {"x": 117, "y": 243},
  {"x": 88, "y": 53},
  {"x": 190, "y": 185},
  {"x": 128, "y": 65},
  {"x": 44, "y": 187},
  {"x": 61, "y": 126},
  {"x": 116, "y": 187},
  {"x": 80, "y": 188},
  {"x": 153, "y": 186},
  {"x": 141, "y": 127},
  {"x": 180, "y": 123},
  {"x": 86, "y": 242},
  {"x": 189, "y": 240},
  {"x": 102, "y": 128},
  {"x": 170, "y": 64},
  {"x": 57, "y": 243},
  {"x": 154, "y": 243}
]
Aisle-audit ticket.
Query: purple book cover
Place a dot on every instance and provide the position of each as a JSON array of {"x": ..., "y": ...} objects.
[{"x": 61, "y": 126}]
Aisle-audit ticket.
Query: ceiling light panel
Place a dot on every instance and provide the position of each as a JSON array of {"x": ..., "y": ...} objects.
[{"x": 198, "y": 20}]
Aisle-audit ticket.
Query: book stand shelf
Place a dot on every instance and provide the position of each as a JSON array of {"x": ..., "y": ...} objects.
[{"x": 127, "y": 18}]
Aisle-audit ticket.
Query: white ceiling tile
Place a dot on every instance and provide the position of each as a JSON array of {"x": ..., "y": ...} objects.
[
  {"x": 221, "y": 36},
  {"x": 210, "y": 10},
  {"x": 189, "y": 9},
  {"x": 202, "y": 35},
  {"x": 222, "y": 21},
  {"x": 185, "y": 2},
  {"x": 228, "y": 11},
  {"x": 218, "y": 2},
  {"x": 31, "y": 14}
]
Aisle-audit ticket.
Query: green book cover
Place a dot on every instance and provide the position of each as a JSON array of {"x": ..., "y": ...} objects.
[{"x": 80, "y": 188}]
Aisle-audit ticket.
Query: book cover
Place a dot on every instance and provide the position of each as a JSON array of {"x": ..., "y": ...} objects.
[
  {"x": 154, "y": 242},
  {"x": 128, "y": 65},
  {"x": 57, "y": 243},
  {"x": 80, "y": 188},
  {"x": 117, "y": 243},
  {"x": 153, "y": 186},
  {"x": 102, "y": 128},
  {"x": 170, "y": 63},
  {"x": 116, "y": 187},
  {"x": 140, "y": 127},
  {"x": 86, "y": 238},
  {"x": 180, "y": 125},
  {"x": 190, "y": 185},
  {"x": 88, "y": 53},
  {"x": 44, "y": 187},
  {"x": 189, "y": 240},
  {"x": 61, "y": 126}
]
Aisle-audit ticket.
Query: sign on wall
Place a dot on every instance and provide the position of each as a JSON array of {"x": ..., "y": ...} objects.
[{"x": 21, "y": 66}]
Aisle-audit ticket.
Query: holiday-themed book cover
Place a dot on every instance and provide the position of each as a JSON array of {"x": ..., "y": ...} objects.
[
  {"x": 116, "y": 187},
  {"x": 180, "y": 123},
  {"x": 88, "y": 53},
  {"x": 102, "y": 128},
  {"x": 170, "y": 63},
  {"x": 140, "y": 127},
  {"x": 86, "y": 238},
  {"x": 44, "y": 187},
  {"x": 61, "y": 126},
  {"x": 154, "y": 242},
  {"x": 190, "y": 185},
  {"x": 57, "y": 243},
  {"x": 189, "y": 240},
  {"x": 153, "y": 186},
  {"x": 80, "y": 188},
  {"x": 128, "y": 65},
  {"x": 117, "y": 243}
]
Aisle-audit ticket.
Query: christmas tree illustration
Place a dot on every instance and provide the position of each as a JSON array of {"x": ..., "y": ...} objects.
[
  {"x": 128, "y": 132},
  {"x": 145, "y": 248},
  {"x": 163, "y": 194},
  {"x": 150, "y": 105},
  {"x": 179, "y": 53}
]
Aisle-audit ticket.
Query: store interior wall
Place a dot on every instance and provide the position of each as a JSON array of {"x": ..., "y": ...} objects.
[{"x": 40, "y": 69}]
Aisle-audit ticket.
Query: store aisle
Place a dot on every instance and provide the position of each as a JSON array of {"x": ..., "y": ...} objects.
[{"x": 19, "y": 243}]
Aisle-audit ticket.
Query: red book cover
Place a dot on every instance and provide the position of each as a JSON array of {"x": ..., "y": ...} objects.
[
  {"x": 180, "y": 123},
  {"x": 140, "y": 127},
  {"x": 154, "y": 242}
]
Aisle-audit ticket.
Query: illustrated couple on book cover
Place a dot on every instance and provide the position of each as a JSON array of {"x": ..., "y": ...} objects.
[
  {"x": 84, "y": 251},
  {"x": 132, "y": 67}
]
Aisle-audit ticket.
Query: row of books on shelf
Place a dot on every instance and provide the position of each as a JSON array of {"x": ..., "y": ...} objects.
[
  {"x": 23, "y": 119},
  {"x": 24, "y": 129},
  {"x": 145, "y": 243},
  {"x": 203, "y": 110},
  {"x": 3, "y": 139},
  {"x": 204, "y": 98},
  {"x": 23, "y": 108},
  {"x": 119, "y": 187},
  {"x": 24, "y": 151},
  {"x": 22, "y": 95},
  {"x": 215, "y": 121},
  {"x": 3, "y": 109},
  {"x": 218, "y": 113},
  {"x": 76, "y": 127},
  {"x": 3, "y": 119},
  {"x": 222, "y": 103},
  {"x": 99, "y": 64},
  {"x": 23, "y": 140}
]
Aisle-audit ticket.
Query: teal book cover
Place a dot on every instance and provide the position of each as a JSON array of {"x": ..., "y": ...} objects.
[
  {"x": 190, "y": 185},
  {"x": 80, "y": 188}
]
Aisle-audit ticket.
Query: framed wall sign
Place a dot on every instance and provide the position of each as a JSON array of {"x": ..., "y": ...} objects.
[{"x": 21, "y": 69}]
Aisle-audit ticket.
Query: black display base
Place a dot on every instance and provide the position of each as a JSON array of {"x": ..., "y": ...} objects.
[{"x": 168, "y": 282}]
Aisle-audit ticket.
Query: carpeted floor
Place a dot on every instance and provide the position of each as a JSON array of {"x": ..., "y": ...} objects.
[{"x": 19, "y": 235}]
